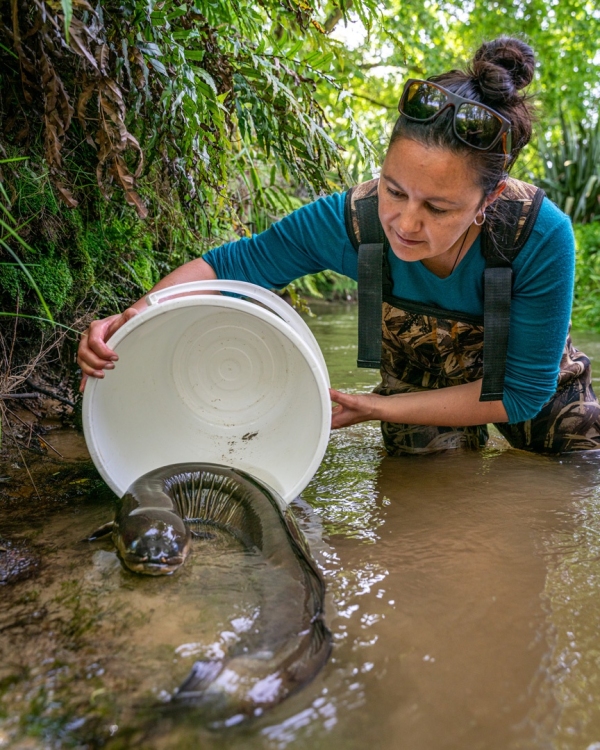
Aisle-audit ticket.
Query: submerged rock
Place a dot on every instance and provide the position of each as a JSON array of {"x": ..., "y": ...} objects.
[{"x": 17, "y": 561}]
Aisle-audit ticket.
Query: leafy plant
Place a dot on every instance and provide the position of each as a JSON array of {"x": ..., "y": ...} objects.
[
  {"x": 202, "y": 119},
  {"x": 170, "y": 84},
  {"x": 10, "y": 231},
  {"x": 586, "y": 305},
  {"x": 327, "y": 285},
  {"x": 571, "y": 169}
]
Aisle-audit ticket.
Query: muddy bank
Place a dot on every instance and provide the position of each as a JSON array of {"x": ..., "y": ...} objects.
[
  {"x": 46, "y": 627},
  {"x": 44, "y": 464}
]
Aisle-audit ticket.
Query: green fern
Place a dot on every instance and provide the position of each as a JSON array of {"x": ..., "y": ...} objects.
[{"x": 571, "y": 164}]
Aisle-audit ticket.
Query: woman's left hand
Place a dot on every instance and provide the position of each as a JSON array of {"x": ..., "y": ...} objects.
[{"x": 352, "y": 408}]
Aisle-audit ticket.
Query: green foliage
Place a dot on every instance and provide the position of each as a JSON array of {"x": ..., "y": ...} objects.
[
  {"x": 263, "y": 198},
  {"x": 98, "y": 253},
  {"x": 67, "y": 9},
  {"x": 586, "y": 306},
  {"x": 564, "y": 36},
  {"x": 212, "y": 120},
  {"x": 419, "y": 39},
  {"x": 571, "y": 169},
  {"x": 201, "y": 118},
  {"x": 327, "y": 285},
  {"x": 10, "y": 234},
  {"x": 183, "y": 86}
]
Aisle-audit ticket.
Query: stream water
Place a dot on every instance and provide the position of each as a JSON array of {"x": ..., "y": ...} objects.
[{"x": 462, "y": 596}]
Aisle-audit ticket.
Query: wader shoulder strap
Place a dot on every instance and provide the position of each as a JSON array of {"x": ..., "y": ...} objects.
[
  {"x": 508, "y": 228},
  {"x": 366, "y": 234}
]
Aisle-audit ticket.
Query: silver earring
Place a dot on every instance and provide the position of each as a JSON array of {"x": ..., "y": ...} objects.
[{"x": 479, "y": 223}]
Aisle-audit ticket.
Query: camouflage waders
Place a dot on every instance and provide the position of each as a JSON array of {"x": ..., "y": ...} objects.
[{"x": 425, "y": 347}]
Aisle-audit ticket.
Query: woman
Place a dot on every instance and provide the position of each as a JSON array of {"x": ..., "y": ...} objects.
[{"x": 445, "y": 174}]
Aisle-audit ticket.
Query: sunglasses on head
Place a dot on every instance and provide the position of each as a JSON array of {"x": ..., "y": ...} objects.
[{"x": 475, "y": 124}]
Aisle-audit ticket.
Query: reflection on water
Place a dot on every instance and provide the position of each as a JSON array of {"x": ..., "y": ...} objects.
[{"x": 462, "y": 598}]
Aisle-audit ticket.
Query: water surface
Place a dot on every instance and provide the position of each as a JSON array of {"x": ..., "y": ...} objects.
[{"x": 463, "y": 599}]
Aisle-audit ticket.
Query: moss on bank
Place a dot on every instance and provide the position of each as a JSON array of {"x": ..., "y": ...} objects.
[{"x": 99, "y": 256}]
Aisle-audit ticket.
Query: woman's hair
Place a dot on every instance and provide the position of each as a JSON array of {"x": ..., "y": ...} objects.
[{"x": 500, "y": 69}]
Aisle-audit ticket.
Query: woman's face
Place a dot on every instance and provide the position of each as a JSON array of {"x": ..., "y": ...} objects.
[{"x": 428, "y": 198}]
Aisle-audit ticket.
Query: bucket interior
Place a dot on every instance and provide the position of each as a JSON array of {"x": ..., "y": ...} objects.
[{"x": 218, "y": 383}]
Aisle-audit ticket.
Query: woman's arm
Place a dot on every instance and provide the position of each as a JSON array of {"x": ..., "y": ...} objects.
[
  {"x": 457, "y": 406},
  {"x": 94, "y": 356},
  {"x": 308, "y": 240},
  {"x": 540, "y": 312}
]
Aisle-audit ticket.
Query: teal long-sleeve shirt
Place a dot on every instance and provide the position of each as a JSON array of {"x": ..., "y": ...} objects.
[{"x": 314, "y": 238}]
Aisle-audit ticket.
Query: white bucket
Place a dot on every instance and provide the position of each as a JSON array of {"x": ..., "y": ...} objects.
[{"x": 213, "y": 379}]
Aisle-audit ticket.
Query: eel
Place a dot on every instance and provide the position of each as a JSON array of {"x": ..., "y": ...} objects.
[{"x": 289, "y": 642}]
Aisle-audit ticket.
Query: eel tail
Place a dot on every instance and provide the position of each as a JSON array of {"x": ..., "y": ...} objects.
[{"x": 193, "y": 688}]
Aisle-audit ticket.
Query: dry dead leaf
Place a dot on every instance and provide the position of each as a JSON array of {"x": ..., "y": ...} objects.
[
  {"x": 66, "y": 195},
  {"x": 102, "y": 53},
  {"x": 82, "y": 103}
]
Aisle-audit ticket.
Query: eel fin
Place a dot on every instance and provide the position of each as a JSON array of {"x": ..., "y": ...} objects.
[
  {"x": 101, "y": 532},
  {"x": 203, "y": 535},
  {"x": 202, "y": 674}
]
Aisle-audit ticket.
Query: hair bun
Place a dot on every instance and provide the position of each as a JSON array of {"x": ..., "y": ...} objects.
[{"x": 503, "y": 66}]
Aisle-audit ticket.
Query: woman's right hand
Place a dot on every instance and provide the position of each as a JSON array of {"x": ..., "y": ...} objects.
[{"x": 93, "y": 355}]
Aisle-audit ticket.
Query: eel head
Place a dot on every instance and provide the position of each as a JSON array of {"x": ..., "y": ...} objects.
[{"x": 152, "y": 541}]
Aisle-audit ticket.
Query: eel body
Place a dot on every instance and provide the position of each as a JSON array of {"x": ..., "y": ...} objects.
[{"x": 289, "y": 641}]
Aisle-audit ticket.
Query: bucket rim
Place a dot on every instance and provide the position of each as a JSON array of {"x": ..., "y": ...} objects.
[{"x": 316, "y": 366}]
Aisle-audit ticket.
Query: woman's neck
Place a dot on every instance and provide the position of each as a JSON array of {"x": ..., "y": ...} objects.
[{"x": 443, "y": 265}]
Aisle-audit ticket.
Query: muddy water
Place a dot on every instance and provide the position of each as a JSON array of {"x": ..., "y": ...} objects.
[{"x": 463, "y": 599}]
